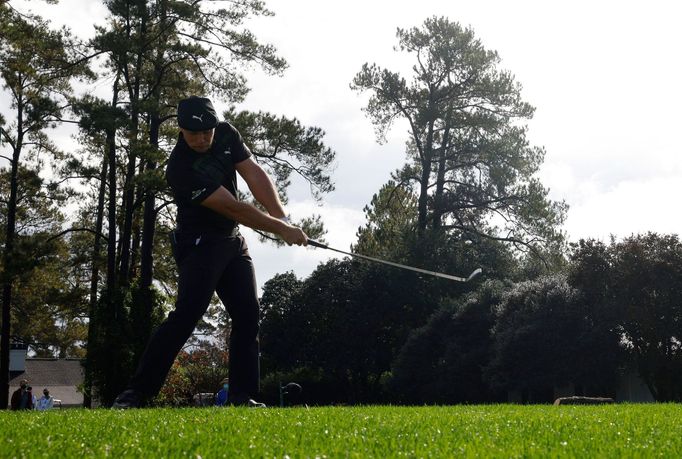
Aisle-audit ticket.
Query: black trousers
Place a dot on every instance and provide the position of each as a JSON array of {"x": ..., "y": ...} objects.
[{"x": 206, "y": 265}]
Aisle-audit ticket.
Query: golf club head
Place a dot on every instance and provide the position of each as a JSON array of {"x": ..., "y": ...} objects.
[{"x": 476, "y": 272}]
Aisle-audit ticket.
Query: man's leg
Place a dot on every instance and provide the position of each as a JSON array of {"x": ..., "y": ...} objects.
[
  {"x": 198, "y": 275},
  {"x": 238, "y": 291}
]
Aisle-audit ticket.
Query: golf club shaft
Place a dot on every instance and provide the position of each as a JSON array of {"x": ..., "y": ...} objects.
[{"x": 397, "y": 265}]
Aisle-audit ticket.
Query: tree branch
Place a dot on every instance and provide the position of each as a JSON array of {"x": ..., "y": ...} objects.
[{"x": 71, "y": 230}]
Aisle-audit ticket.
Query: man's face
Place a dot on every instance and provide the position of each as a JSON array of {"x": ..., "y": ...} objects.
[{"x": 199, "y": 141}]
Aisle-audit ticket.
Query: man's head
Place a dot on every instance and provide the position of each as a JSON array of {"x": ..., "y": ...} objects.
[
  {"x": 23, "y": 383},
  {"x": 46, "y": 392},
  {"x": 197, "y": 120}
]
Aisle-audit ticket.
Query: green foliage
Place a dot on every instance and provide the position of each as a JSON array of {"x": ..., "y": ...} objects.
[
  {"x": 144, "y": 320},
  {"x": 185, "y": 48},
  {"x": 199, "y": 370},
  {"x": 348, "y": 317},
  {"x": 37, "y": 65},
  {"x": 48, "y": 304},
  {"x": 376, "y": 305},
  {"x": 442, "y": 362},
  {"x": 309, "y": 325},
  {"x": 373, "y": 432},
  {"x": 110, "y": 353},
  {"x": 635, "y": 286},
  {"x": 471, "y": 165},
  {"x": 96, "y": 115},
  {"x": 280, "y": 330},
  {"x": 545, "y": 336},
  {"x": 120, "y": 336},
  {"x": 390, "y": 218},
  {"x": 284, "y": 146}
]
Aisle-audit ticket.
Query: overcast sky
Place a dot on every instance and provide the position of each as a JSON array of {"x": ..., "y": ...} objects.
[{"x": 604, "y": 77}]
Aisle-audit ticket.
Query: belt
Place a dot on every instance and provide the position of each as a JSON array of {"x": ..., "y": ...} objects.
[{"x": 196, "y": 237}]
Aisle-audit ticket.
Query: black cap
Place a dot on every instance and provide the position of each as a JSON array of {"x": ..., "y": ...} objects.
[{"x": 196, "y": 114}]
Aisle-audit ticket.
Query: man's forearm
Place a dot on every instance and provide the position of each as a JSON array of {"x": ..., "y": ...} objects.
[
  {"x": 224, "y": 203},
  {"x": 265, "y": 193},
  {"x": 251, "y": 216}
]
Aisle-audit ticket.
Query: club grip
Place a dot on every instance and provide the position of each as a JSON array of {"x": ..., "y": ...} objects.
[{"x": 314, "y": 243}]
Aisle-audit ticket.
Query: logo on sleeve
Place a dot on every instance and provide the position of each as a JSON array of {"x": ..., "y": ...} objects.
[{"x": 197, "y": 193}]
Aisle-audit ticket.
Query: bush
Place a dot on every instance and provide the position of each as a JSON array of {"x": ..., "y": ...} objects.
[{"x": 198, "y": 371}]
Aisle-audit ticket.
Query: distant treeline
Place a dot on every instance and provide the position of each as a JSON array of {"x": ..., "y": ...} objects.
[{"x": 358, "y": 333}]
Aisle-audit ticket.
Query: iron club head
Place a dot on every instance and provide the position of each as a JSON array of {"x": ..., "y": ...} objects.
[{"x": 476, "y": 272}]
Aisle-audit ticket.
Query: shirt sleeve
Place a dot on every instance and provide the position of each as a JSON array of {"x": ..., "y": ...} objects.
[
  {"x": 238, "y": 148},
  {"x": 190, "y": 186}
]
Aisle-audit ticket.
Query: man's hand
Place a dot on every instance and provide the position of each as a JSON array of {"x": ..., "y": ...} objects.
[{"x": 293, "y": 235}]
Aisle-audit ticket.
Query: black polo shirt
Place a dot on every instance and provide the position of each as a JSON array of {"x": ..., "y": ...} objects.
[{"x": 194, "y": 176}]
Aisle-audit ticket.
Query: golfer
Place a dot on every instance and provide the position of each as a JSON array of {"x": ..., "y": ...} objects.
[{"x": 210, "y": 253}]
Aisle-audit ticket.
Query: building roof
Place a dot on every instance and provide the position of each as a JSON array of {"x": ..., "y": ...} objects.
[
  {"x": 60, "y": 376},
  {"x": 50, "y": 372}
]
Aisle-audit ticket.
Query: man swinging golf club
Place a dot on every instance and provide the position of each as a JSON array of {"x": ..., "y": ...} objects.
[{"x": 210, "y": 254}]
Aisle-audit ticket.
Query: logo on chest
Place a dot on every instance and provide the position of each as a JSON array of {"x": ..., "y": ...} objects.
[{"x": 197, "y": 193}]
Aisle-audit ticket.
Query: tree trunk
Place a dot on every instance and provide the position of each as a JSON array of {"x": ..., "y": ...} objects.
[
  {"x": 135, "y": 249},
  {"x": 145, "y": 306},
  {"x": 440, "y": 180},
  {"x": 424, "y": 185},
  {"x": 129, "y": 191},
  {"x": 94, "y": 281},
  {"x": 8, "y": 271},
  {"x": 128, "y": 203},
  {"x": 111, "y": 211},
  {"x": 136, "y": 231}
]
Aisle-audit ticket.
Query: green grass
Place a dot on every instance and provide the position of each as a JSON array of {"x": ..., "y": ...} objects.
[{"x": 457, "y": 431}]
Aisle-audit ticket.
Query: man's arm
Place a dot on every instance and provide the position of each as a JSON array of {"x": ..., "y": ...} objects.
[
  {"x": 224, "y": 203},
  {"x": 261, "y": 186}
]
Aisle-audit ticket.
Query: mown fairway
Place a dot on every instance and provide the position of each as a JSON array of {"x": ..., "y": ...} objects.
[{"x": 459, "y": 431}]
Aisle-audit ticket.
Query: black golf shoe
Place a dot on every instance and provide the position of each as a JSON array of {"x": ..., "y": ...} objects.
[
  {"x": 244, "y": 400},
  {"x": 127, "y": 399}
]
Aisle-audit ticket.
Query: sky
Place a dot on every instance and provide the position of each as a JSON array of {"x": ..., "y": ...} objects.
[{"x": 604, "y": 77}]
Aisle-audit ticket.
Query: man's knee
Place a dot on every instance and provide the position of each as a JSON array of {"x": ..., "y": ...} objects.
[
  {"x": 183, "y": 319},
  {"x": 246, "y": 323}
]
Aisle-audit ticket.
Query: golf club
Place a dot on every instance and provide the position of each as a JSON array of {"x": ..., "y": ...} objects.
[{"x": 476, "y": 272}]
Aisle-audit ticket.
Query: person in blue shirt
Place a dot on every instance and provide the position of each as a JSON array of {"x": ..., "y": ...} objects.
[{"x": 221, "y": 396}]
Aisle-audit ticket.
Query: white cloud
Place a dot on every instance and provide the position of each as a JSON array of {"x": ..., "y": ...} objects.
[{"x": 632, "y": 207}]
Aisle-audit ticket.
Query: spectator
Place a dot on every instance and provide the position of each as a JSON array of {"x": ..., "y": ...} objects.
[
  {"x": 45, "y": 402},
  {"x": 34, "y": 400},
  {"x": 22, "y": 399},
  {"x": 221, "y": 396}
]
